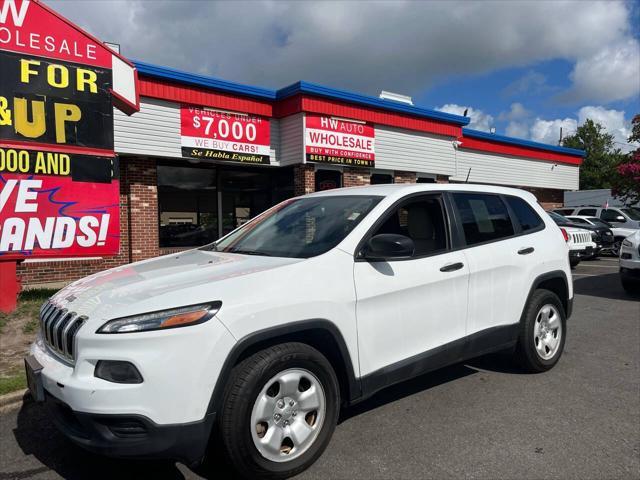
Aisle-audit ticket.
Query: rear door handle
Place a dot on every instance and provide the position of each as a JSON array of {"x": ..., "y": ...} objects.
[
  {"x": 452, "y": 267},
  {"x": 526, "y": 251}
]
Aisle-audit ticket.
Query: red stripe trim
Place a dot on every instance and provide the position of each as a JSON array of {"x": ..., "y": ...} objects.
[
  {"x": 303, "y": 103},
  {"x": 504, "y": 149},
  {"x": 57, "y": 148},
  {"x": 196, "y": 96}
]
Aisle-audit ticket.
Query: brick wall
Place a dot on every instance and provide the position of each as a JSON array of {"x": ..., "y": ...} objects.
[
  {"x": 442, "y": 179},
  {"x": 404, "y": 177},
  {"x": 138, "y": 214},
  {"x": 549, "y": 198},
  {"x": 355, "y": 177},
  {"x": 142, "y": 177},
  {"x": 304, "y": 179}
]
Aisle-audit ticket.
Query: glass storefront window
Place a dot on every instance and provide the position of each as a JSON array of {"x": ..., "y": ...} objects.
[
  {"x": 198, "y": 204},
  {"x": 188, "y": 206}
]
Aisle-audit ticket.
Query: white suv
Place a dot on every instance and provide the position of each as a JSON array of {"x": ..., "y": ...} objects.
[
  {"x": 317, "y": 303},
  {"x": 630, "y": 263}
]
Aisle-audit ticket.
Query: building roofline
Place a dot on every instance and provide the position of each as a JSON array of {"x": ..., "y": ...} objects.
[
  {"x": 180, "y": 76},
  {"x": 309, "y": 88},
  {"x": 468, "y": 132}
]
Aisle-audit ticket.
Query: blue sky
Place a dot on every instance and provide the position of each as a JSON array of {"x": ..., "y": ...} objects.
[{"x": 526, "y": 68}]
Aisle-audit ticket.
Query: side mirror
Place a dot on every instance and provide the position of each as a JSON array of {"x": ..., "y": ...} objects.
[
  {"x": 621, "y": 219},
  {"x": 388, "y": 246}
]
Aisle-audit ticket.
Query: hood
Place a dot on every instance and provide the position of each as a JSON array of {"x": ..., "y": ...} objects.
[{"x": 185, "y": 278}]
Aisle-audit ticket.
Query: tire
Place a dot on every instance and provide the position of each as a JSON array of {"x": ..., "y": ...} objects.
[
  {"x": 537, "y": 334},
  {"x": 257, "y": 401},
  {"x": 574, "y": 263},
  {"x": 631, "y": 287}
]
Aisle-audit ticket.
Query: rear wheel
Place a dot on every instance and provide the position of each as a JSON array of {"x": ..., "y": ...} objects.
[
  {"x": 280, "y": 409},
  {"x": 542, "y": 332}
]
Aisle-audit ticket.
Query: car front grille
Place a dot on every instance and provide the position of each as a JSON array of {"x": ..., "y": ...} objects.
[
  {"x": 59, "y": 327},
  {"x": 581, "y": 237}
]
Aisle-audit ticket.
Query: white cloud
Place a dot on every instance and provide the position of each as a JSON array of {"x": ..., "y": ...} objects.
[
  {"x": 613, "y": 121},
  {"x": 479, "y": 119},
  {"x": 517, "y": 129},
  {"x": 398, "y": 46},
  {"x": 516, "y": 112},
  {"x": 548, "y": 131},
  {"x": 612, "y": 73}
]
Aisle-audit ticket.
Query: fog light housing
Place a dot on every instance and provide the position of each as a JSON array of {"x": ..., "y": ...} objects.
[{"x": 117, "y": 371}]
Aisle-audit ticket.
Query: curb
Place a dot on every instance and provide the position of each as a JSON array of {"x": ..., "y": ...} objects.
[{"x": 13, "y": 400}]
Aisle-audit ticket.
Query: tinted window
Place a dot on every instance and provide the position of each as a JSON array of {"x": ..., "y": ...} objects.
[
  {"x": 609, "y": 215},
  {"x": 422, "y": 220},
  {"x": 564, "y": 211},
  {"x": 587, "y": 212},
  {"x": 528, "y": 218},
  {"x": 633, "y": 213},
  {"x": 484, "y": 217}
]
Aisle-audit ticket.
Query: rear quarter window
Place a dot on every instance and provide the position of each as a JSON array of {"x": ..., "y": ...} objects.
[{"x": 526, "y": 216}]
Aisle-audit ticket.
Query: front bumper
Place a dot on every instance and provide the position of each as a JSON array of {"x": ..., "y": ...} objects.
[
  {"x": 132, "y": 436},
  {"x": 581, "y": 253}
]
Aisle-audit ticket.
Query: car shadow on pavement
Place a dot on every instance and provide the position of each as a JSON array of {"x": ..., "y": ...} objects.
[
  {"x": 407, "y": 388},
  {"x": 603, "y": 286},
  {"x": 36, "y": 435}
]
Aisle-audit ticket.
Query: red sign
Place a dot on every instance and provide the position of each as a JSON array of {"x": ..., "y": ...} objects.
[
  {"x": 217, "y": 135},
  {"x": 59, "y": 188},
  {"x": 339, "y": 141},
  {"x": 49, "y": 216}
]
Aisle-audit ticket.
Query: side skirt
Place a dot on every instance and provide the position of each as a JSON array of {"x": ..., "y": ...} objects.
[{"x": 480, "y": 343}]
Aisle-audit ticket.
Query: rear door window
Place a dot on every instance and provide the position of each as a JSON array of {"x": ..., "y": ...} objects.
[
  {"x": 527, "y": 217},
  {"x": 484, "y": 217}
]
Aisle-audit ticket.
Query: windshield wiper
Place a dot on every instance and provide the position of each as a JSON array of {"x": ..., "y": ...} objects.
[{"x": 248, "y": 252}]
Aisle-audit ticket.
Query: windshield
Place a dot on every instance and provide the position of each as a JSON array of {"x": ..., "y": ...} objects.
[
  {"x": 559, "y": 219},
  {"x": 599, "y": 223},
  {"x": 633, "y": 213},
  {"x": 299, "y": 228}
]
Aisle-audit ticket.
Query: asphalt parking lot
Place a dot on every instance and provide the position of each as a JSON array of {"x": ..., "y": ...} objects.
[{"x": 483, "y": 419}]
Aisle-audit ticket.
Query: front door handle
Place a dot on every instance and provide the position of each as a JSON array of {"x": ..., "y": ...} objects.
[
  {"x": 526, "y": 251},
  {"x": 452, "y": 267}
]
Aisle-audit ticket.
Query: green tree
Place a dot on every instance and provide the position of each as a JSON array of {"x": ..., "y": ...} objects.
[
  {"x": 626, "y": 184},
  {"x": 598, "y": 170}
]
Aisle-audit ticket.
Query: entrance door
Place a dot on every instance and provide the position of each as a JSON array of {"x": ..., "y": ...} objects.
[{"x": 406, "y": 308}]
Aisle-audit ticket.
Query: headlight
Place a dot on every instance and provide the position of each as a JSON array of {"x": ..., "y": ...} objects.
[
  {"x": 627, "y": 243},
  {"x": 163, "y": 319}
]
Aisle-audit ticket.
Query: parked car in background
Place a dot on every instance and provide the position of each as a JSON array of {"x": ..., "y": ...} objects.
[
  {"x": 580, "y": 241},
  {"x": 601, "y": 232},
  {"x": 626, "y": 217},
  {"x": 630, "y": 263},
  {"x": 319, "y": 302}
]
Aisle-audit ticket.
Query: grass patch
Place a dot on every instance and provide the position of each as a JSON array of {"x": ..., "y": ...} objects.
[
  {"x": 29, "y": 303},
  {"x": 12, "y": 383},
  {"x": 30, "y": 327}
]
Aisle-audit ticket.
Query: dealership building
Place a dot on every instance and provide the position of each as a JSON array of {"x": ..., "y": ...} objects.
[{"x": 204, "y": 155}]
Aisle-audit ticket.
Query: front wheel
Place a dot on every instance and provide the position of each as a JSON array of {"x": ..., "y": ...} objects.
[
  {"x": 280, "y": 408},
  {"x": 542, "y": 332}
]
